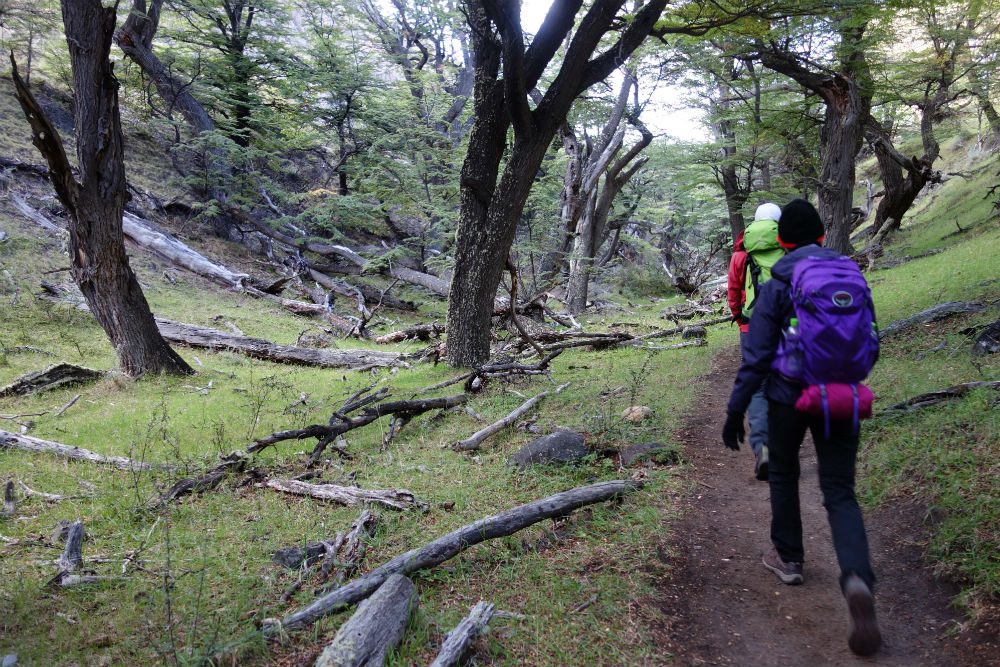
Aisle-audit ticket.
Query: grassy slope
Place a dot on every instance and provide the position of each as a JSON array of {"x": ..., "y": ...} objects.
[
  {"x": 207, "y": 577},
  {"x": 944, "y": 458}
]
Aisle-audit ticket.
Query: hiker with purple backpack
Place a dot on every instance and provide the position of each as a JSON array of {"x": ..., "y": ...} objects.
[{"x": 813, "y": 339}]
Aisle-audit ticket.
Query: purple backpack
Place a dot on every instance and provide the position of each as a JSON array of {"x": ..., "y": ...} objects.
[{"x": 835, "y": 338}]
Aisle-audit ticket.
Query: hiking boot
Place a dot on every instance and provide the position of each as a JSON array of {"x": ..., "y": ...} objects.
[
  {"x": 788, "y": 573},
  {"x": 760, "y": 467},
  {"x": 865, "y": 637}
]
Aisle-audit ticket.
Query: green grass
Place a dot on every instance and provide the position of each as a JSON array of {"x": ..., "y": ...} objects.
[
  {"x": 942, "y": 457},
  {"x": 206, "y": 576}
]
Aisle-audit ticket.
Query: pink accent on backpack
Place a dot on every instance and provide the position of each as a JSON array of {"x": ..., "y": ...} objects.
[{"x": 837, "y": 401}]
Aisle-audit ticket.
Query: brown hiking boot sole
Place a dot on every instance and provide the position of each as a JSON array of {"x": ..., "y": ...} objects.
[{"x": 865, "y": 637}]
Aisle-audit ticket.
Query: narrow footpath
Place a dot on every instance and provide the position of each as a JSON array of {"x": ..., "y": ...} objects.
[{"x": 724, "y": 608}]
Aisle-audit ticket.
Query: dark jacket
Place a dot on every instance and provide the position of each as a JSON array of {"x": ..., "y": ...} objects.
[{"x": 771, "y": 316}]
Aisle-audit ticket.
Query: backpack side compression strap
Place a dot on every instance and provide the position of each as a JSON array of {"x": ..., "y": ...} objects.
[{"x": 754, "y": 269}]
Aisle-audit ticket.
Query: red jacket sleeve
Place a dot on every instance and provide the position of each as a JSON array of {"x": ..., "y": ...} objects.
[{"x": 737, "y": 280}]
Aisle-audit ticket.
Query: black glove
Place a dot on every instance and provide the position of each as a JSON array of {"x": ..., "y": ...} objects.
[{"x": 733, "y": 432}]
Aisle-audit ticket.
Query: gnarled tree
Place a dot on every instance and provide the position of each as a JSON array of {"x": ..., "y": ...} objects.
[
  {"x": 95, "y": 203},
  {"x": 845, "y": 88},
  {"x": 492, "y": 199}
]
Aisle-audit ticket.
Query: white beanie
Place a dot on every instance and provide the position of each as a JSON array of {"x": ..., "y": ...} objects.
[{"x": 767, "y": 211}]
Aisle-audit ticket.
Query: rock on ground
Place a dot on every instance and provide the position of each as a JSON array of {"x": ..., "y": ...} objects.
[{"x": 561, "y": 446}]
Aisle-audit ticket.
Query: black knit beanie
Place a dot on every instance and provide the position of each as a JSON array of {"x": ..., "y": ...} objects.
[{"x": 800, "y": 223}]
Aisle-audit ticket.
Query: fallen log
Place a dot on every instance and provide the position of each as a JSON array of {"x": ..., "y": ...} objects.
[
  {"x": 375, "y": 629},
  {"x": 422, "y": 332},
  {"x": 397, "y": 499},
  {"x": 433, "y": 283},
  {"x": 29, "y": 444},
  {"x": 932, "y": 314},
  {"x": 369, "y": 294},
  {"x": 178, "y": 253},
  {"x": 680, "y": 329},
  {"x": 475, "y": 441},
  {"x": 53, "y": 377},
  {"x": 452, "y": 544},
  {"x": 458, "y": 641},
  {"x": 258, "y": 348},
  {"x": 141, "y": 233},
  {"x": 35, "y": 215},
  {"x": 941, "y": 395}
]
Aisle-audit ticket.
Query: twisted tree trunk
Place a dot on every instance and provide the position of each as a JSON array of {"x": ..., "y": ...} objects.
[{"x": 96, "y": 203}]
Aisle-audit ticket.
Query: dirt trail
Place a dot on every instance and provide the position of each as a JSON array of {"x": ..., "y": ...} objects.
[{"x": 724, "y": 608}]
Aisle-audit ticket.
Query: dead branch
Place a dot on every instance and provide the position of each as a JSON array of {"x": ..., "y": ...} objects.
[
  {"x": 34, "y": 215},
  {"x": 340, "y": 556},
  {"x": 29, "y": 444},
  {"x": 475, "y": 380},
  {"x": 346, "y": 560},
  {"x": 397, "y": 499},
  {"x": 231, "y": 463},
  {"x": 476, "y": 440},
  {"x": 664, "y": 333},
  {"x": 940, "y": 396},
  {"x": 513, "y": 310},
  {"x": 458, "y": 641},
  {"x": 47, "y": 497},
  {"x": 341, "y": 422},
  {"x": 375, "y": 629},
  {"x": 70, "y": 403},
  {"x": 452, "y": 544},
  {"x": 58, "y": 375}
]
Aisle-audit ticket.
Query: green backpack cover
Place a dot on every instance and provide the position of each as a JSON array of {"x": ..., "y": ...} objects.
[{"x": 761, "y": 243}]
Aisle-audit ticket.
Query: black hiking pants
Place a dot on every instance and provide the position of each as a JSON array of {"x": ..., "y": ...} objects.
[{"x": 837, "y": 456}]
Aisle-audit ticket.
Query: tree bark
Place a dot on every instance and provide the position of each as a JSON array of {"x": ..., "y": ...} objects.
[
  {"x": 96, "y": 203},
  {"x": 375, "y": 629}
]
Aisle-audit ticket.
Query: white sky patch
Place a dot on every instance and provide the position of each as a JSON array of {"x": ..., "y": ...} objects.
[{"x": 665, "y": 114}]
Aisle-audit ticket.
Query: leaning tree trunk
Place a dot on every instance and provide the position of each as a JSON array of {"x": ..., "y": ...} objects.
[
  {"x": 135, "y": 39},
  {"x": 95, "y": 204}
]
